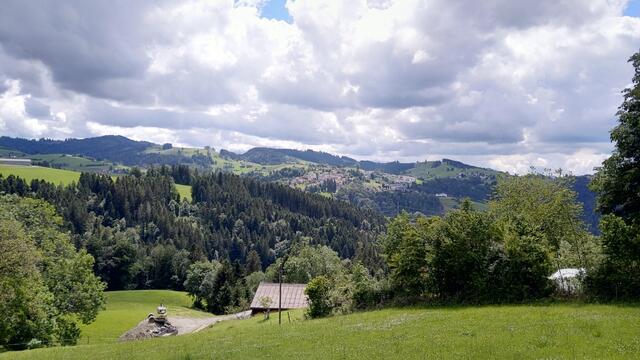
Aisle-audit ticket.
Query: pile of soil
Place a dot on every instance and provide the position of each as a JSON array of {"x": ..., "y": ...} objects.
[{"x": 149, "y": 329}]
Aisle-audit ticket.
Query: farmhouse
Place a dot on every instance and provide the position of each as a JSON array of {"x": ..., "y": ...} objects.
[
  {"x": 293, "y": 297},
  {"x": 13, "y": 161}
]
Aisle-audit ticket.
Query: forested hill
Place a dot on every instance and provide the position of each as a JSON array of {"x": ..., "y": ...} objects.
[
  {"x": 427, "y": 187},
  {"x": 272, "y": 156},
  {"x": 113, "y": 148},
  {"x": 143, "y": 236}
]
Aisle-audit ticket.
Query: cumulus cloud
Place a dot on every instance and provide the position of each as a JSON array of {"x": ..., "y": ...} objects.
[{"x": 497, "y": 83}]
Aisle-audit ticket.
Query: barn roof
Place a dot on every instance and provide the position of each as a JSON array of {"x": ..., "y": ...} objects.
[{"x": 293, "y": 296}]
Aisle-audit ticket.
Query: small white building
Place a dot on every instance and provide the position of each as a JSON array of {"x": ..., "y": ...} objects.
[
  {"x": 442, "y": 195},
  {"x": 15, "y": 162}
]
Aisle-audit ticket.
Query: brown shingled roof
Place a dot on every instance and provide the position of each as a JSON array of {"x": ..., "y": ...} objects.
[{"x": 293, "y": 296}]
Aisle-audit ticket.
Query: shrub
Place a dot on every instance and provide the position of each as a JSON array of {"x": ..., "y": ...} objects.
[
  {"x": 618, "y": 277},
  {"x": 521, "y": 272},
  {"x": 318, "y": 292}
]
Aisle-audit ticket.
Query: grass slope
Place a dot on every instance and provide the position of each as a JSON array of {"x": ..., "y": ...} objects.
[
  {"x": 515, "y": 332},
  {"x": 127, "y": 308},
  {"x": 184, "y": 191},
  {"x": 69, "y": 162},
  {"x": 447, "y": 169},
  {"x": 29, "y": 173},
  {"x": 64, "y": 177}
]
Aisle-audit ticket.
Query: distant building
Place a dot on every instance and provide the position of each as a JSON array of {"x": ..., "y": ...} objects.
[
  {"x": 442, "y": 195},
  {"x": 293, "y": 296},
  {"x": 17, "y": 162}
]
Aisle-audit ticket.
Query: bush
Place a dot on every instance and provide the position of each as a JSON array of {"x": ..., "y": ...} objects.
[
  {"x": 464, "y": 244},
  {"x": 318, "y": 292},
  {"x": 68, "y": 331},
  {"x": 618, "y": 277},
  {"x": 521, "y": 272}
]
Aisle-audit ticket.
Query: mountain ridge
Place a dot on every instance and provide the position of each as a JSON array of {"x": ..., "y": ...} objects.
[
  {"x": 121, "y": 148},
  {"x": 429, "y": 187}
]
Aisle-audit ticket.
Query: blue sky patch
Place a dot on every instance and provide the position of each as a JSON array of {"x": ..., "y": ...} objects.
[
  {"x": 275, "y": 9},
  {"x": 633, "y": 8}
]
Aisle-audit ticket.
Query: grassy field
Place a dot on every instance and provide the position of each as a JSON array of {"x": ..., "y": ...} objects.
[
  {"x": 434, "y": 169},
  {"x": 5, "y": 152},
  {"x": 127, "y": 308},
  {"x": 184, "y": 191},
  {"x": 70, "y": 162},
  {"x": 64, "y": 177},
  {"x": 29, "y": 173},
  {"x": 561, "y": 331}
]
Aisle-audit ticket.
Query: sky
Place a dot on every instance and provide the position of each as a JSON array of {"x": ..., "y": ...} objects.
[{"x": 499, "y": 83}]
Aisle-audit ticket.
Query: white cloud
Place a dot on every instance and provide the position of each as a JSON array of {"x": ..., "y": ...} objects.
[
  {"x": 500, "y": 83},
  {"x": 13, "y": 114}
]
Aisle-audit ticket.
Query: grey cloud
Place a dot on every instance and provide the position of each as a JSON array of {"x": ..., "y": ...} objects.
[
  {"x": 442, "y": 79},
  {"x": 524, "y": 14},
  {"x": 83, "y": 43},
  {"x": 36, "y": 108},
  {"x": 280, "y": 122}
]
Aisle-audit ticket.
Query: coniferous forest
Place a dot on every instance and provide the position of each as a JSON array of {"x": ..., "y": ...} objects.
[{"x": 142, "y": 235}]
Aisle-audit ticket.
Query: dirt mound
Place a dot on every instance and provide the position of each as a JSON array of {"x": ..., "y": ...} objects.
[{"x": 149, "y": 329}]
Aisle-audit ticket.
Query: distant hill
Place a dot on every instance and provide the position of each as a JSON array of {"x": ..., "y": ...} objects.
[
  {"x": 387, "y": 187},
  {"x": 588, "y": 200},
  {"x": 113, "y": 148},
  {"x": 271, "y": 156},
  {"x": 110, "y": 147},
  {"x": 447, "y": 168},
  {"x": 426, "y": 169}
]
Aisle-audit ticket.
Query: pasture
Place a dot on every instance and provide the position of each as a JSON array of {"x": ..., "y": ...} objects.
[
  {"x": 557, "y": 331},
  {"x": 64, "y": 177},
  {"x": 56, "y": 176},
  {"x": 125, "y": 309}
]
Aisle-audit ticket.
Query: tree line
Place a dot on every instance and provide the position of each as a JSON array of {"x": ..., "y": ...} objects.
[
  {"x": 142, "y": 235},
  {"x": 533, "y": 227}
]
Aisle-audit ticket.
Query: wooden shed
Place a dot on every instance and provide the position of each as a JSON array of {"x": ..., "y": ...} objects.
[{"x": 293, "y": 296}]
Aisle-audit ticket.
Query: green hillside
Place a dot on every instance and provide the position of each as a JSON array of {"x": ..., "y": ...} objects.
[
  {"x": 126, "y": 308},
  {"x": 70, "y": 162},
  {"x": 514, "y": 332},
  {"x": 56, "y": 176},
  {"x": 448, "y": 169},
  {"x": 64, "y": 177},
  {"x": 382, "y": 187}
]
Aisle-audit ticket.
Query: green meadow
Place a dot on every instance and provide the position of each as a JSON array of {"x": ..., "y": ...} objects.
[
  {"x": 64, "y": 177},
  {"x": 125, "y": 309},
  {"x": 56, "y": 176},
  {"x": 184, "y": 191},
  {"x": 558, "y": 331}
]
